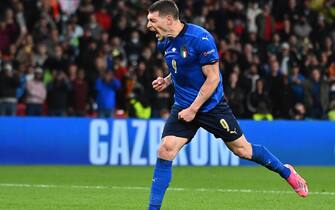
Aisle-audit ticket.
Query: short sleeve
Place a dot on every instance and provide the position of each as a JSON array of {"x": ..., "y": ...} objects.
[{"x": 207, "y": 51}]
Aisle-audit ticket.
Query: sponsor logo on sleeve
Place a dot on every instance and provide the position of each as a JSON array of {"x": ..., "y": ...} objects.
[{"x": 209, "y": 52}]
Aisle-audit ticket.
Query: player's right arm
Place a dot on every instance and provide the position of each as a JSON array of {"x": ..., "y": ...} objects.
[{"x": 161, "y": 83}]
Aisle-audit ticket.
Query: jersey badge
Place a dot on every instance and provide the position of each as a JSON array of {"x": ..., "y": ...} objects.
[{"x": 183, "y": 52}]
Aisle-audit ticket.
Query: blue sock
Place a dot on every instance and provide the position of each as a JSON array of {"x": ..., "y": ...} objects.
[
  {"x": 160, "y": 182},
  {"x": 264, "y": 157}
]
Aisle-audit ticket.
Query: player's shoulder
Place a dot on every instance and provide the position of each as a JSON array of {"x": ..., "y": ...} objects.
[
  {"x": 196, "y": 31},
  {"x": 162, "y": 44}
]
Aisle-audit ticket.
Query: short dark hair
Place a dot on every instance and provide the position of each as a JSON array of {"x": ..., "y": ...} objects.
[{"x": 165, "y": 7}]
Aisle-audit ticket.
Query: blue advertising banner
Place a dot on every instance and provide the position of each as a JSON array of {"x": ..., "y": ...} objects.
[{"x": 134, "y": 142}]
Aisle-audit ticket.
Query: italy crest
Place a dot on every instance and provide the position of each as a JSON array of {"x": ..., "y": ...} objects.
[{"x": 183, "y": 52}]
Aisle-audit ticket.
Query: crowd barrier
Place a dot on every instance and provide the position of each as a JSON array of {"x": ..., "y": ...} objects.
[{"x": 86, "y": 141}]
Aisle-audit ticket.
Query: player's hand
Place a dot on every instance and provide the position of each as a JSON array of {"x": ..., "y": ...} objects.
[
  {"x": 187, "y": 115},
  {"x": 159, "y": 84}
]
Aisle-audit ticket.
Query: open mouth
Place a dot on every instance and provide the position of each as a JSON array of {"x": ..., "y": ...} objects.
[{"x": 158, "y": 35}]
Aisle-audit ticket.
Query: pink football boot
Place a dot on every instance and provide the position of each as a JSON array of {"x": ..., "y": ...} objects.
[{"x": 297, "y": 182}]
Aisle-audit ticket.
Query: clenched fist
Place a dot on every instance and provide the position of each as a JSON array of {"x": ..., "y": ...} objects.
[{"x": 159, "y": 84}]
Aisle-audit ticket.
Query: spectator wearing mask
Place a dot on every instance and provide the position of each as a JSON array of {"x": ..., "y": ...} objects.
[
  {"x": 36, "y": 94},
  {"x": 252, "y": 76}
]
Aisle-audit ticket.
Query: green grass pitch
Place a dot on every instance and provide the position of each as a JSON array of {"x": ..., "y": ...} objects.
[{"x": 193, "y": 188}]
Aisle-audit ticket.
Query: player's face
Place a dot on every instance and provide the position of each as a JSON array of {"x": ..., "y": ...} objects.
[{"x": 158, "y": 24}]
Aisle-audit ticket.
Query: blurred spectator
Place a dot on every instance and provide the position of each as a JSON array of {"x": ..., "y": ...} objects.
[
  {"x": 58, "y": 94},
  {"x": 8, "y": 31},
  {"x": 161, "y": 100},
  {"x": 310, "y": 63},
  {"x": 120, "y": 71},
  {"x": 316, "y": 95},
  {"x": 331, "y": 112},
  {"x": 286, "y": 58},
  {"x": 69, "y": 7},
  {"x": 51, "y": 42},
  {"x": 134, "y": 47},
  {"x": 235, "y": 95},
  {"x": 252, "y": 12},
  {"x": 103, "y": 18},
  {"x": 259, "y": 103},
  {"x": 275, "y": 46},
  {"x": 79, "y": 94},
  {"x": 287, "y": 101},
  {"x": 327, "y": 47},
  {"x": 254, "y": 38},
  {"x": 275, "y": 85},
  {"x": 9, "y": 82},
  {"x": 85, "y": 9},
  {"x": 93, "y": 29},
  {"x": 41, "y": 56},
  {"x": 20, "y": 90},
  {"x": 24, "y": 54},
  {"x": 331, "y": 79},
  {"x": 292, "y": 11},
  {"x": 59, "y": 62},
  {"x": 42, "y": 29},
  {"x": 72, "y": 72},
  {"x": 286, "y": 32},
  {"x": 302, "y": 28},
  {"x": 20, "y": 17},
  {"x": 35, "y": 94},
  {"x": 247, "y": 56},
  {"x": 139, "y": 105},
  {"x": 296, "y": 79},
  {"x": 298, "y": 112},
  {"x": 252, "y": 76},
  {"x": 106, "y": 87},
  {"x": 265, "y": 24}
]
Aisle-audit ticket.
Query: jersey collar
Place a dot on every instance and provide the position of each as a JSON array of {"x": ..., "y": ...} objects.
[{"x": 182, "y": 32}]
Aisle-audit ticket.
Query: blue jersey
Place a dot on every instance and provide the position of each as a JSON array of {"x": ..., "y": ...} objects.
[{"x": 185, "y": 55}]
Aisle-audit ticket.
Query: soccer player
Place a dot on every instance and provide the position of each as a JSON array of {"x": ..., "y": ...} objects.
[{"x": 191, "y": 55}]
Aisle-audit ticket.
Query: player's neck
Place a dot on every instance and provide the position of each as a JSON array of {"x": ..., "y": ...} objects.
[{"x": 176, "y": 29}]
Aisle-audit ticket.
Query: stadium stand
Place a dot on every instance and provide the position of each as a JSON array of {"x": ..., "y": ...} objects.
[{"x": 276, "y": 65}]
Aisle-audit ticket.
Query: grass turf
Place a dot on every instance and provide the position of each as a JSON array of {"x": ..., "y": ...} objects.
[{"x": 88, "y": 187}]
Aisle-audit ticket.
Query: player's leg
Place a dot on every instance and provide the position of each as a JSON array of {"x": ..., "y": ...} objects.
[
  {"x": 259, "y": 154},
  {"x": 222, "y": 123},
  {"x": 176, "y": 133},
  {"x": 167, "y": 151}
]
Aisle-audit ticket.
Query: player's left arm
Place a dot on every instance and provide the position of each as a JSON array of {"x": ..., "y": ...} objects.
[
  {"x": 212, "y": 73},
  {"x": 208, "y": 59}
]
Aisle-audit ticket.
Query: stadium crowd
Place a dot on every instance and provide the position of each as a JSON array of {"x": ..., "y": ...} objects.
[{"x": 96, "y": 58}]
